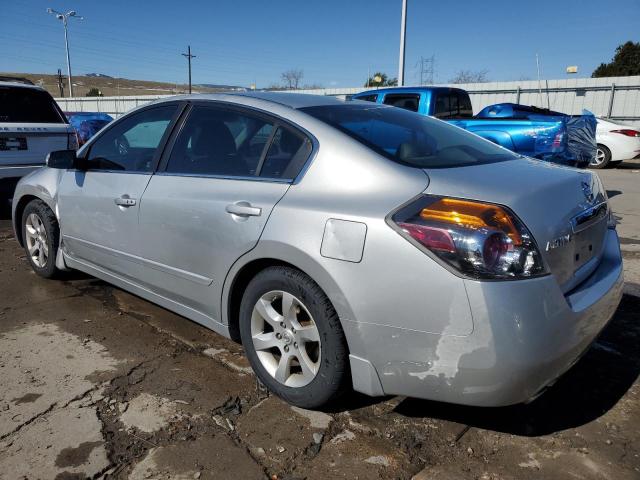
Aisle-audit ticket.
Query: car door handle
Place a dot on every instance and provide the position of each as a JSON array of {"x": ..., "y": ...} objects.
[
  {"x": 244, "y": 209},
  {"x": 125, "y": 201}
]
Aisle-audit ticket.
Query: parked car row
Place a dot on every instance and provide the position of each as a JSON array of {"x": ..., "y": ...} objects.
[
  {"x": 345, "y": 244},
  {"x": 616, "y": 143},
  {"x": 533, "y": 132}
]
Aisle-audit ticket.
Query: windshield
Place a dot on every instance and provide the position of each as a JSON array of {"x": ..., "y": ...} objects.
[
  {"x": 27, "y": 105},
  {"x": 408, "y": 137}
]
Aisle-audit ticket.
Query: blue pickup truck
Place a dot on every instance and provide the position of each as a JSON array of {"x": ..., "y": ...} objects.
[{"x": 530, "y": 131}]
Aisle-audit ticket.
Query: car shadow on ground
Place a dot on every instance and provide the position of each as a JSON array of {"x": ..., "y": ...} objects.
[
  {"x": 613, "y": 193},
  {"x": 5, "y": 209},
  {"x": 629, "y": 165},
  {"x": 587, "y": 391}
]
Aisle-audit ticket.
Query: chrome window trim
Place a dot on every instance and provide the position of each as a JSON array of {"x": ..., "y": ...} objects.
[
  {"x": 225, "y": 177},
  {"x": 125, "y": 172}
]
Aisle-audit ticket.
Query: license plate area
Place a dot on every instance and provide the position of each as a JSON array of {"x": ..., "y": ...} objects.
[
  {"x": 588, "y": 243},
  {"x": 13, "y": 144}
]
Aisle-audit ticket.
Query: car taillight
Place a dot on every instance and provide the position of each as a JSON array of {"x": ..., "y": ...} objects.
[
  {"x": 557, "y": 140},
  {"x": 72, "y": 141},
  {"x": 627, "y": 132},
  {"x": 480, "y": 240}
]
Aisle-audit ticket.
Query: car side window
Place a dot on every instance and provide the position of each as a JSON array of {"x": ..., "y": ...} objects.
[
  {"x": 368, "y": 98},
  {"x": 407, "y": 101},
  {"x": 131, "y": 144},
  {"x": 287, "y": 154},
  {"x": 219, "y": 141},
  {"x": 464, "y": 103},
  {"x": 443, "y": 106}
]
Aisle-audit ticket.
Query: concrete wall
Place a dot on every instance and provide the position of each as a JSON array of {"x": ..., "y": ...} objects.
[{"x": 570, "y": 95}]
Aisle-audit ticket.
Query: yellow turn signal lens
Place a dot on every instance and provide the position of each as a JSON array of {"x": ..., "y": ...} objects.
[{"x": 465, "y": 213}]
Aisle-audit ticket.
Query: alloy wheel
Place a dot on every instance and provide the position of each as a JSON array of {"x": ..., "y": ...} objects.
[
  {"x": 599, "y": 158},
  {"x": 286, "y": 338},
  {"x": 36, "y": 239}
]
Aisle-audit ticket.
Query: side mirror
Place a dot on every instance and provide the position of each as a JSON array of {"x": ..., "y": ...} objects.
[{"x": 62, "y": 159}]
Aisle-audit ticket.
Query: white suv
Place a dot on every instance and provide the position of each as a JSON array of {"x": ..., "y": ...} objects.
[{"x": 31, "y": 126}]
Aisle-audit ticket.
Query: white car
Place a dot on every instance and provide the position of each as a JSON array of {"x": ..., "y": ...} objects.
[
  {"x": 616, "y": 142},
  {"x": 31, "y": 126}
]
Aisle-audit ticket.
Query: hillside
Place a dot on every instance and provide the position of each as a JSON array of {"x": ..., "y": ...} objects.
[{"x": 112, "y": 86}]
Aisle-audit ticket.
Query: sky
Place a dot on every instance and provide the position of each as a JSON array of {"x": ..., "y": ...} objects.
[{"x": 335, "y": 43}]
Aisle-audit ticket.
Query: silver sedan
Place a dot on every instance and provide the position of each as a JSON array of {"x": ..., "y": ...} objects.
[{"x": 345, "y": 244}]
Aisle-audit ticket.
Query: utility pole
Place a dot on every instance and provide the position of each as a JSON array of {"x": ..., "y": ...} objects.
[
  {"x": 65, "y": 17},
  {"x": 539, "y": 85},
  {"x": 60, "y": 83},
  {"x": 189, "y": 57},
  {"x": 403, "y": 33}
]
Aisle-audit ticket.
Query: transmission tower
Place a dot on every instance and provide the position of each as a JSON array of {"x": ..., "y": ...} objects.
[{"x": 426, "y": 69}]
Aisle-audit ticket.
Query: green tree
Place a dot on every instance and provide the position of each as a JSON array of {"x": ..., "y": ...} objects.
[
  {"x": 94, "y": 92},
  {"x": 625, "y": 62},
  {"x": 380, "y": 79}
]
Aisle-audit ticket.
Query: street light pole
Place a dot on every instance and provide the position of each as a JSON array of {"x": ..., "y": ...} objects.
[
  {"x": 66, "y": 46},
  {"x": 64, "y": 17},
  {"x": 403, "y": 33}
]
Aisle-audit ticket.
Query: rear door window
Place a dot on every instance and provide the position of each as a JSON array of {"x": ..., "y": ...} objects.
[
  {"x": 443, "y": 106},
  {"x": 464, "y": 105},
  {"x": 28, "y": 105},
  {"x": 402, "y": 100},
  {"x": 287, "y": 154},
  {"x": 220, "y": 141}
]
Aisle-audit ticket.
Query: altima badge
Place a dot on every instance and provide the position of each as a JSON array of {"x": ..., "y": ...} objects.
[{"x": 559, "y": 242}]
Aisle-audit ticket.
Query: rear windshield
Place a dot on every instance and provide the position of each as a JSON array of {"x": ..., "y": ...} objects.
[
  {"x": 408, "y": 137},
  {"x": 27, "y": 105}
]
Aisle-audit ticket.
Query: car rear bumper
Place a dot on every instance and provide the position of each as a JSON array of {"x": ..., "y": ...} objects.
[
  {"x": 624, "y": 149},
  {"x": 526, "y": 334}
]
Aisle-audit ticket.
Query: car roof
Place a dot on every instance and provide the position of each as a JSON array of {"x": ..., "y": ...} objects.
[
  {"x": 419, "y": 88},
  {"x": 287, "y": 99},
  {"x": 20, "y": 85}
]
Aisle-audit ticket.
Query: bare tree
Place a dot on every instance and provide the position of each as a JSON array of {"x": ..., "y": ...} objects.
[
  {"x": 292, "y": 78},
  {"x": 469, "y": 76}
]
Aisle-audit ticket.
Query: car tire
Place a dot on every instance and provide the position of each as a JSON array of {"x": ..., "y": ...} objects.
[
  {"x": 41, "y": 238},
  {"x": 279, "y": 362},
  {"x": 603, "y": 158}
]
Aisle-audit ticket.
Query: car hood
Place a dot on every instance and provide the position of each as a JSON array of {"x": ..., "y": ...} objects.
[{"x": 546, "y": 197}]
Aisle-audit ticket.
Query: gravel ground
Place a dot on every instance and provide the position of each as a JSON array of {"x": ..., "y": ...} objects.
[{"x": 95, "y": 382}]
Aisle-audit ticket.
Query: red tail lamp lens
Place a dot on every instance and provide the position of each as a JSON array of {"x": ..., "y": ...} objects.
[
  {"x": 494, "y": 247},
  {"x": 627, "y": 132},
  {"x": 432, "y": 238}
]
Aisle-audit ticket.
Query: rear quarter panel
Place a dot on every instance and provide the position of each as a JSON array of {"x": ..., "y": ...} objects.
[{"x": 394, "y": 287}]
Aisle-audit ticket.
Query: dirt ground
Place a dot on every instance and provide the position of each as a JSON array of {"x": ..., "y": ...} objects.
[{"x": 97, "y": 383}]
